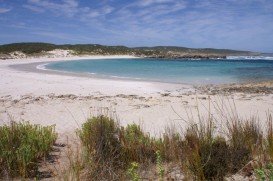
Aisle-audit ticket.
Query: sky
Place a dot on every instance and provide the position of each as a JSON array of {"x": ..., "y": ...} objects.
[{"x": 232, "y": 24}]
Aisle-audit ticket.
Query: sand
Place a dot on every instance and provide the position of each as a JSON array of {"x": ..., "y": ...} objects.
[{"x": 67, "y": 99}]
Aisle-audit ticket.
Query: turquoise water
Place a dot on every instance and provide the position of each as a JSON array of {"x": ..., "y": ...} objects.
[{"x": 173, "y": 71}]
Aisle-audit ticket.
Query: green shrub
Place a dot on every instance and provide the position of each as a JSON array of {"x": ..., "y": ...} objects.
[
  {"x": 111, "y": 149},
  {"x": 198, "y": 139},
  {"x": 137, "y": 146},
  {"x": 132, "y": 172},
  {"x": 265, "y": 173},
  {"x": 171, "y": 146},
  {"x": 102, "y": 147},
  {"x": 159, "y": 165},
  {"x": 211, "y": 157},
  {"x": 22, "y": 145}
]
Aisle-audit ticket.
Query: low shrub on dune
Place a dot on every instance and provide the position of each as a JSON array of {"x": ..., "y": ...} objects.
[
  {"x": 111, "y": 149},
  {"x": 137, "y": 146},
  {"x": 22, "y": 146},
  {"x": 102, "y": 147}
]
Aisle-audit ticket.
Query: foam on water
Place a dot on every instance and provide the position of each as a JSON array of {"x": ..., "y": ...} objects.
[{"x": 250, "y": 58}]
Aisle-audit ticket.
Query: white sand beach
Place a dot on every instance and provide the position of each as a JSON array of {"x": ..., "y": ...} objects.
[
  {"x": 136, "y": 90},
  {"x": 67, "y": 100}
]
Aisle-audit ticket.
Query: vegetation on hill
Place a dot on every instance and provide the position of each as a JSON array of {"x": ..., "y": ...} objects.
[
  {"x": 195, "y": 50},
  {"x": 28, "y": 48},
  {"x": 95, "y": 49}
]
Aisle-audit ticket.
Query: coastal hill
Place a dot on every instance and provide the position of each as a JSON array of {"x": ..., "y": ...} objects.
[{"x": 24, "y": 50}]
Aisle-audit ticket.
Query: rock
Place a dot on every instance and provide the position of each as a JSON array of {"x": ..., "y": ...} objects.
[
  {"x": 15, "y": 101},
  {"x": 165, "y": 94},
  {"x": 26, "y": 97},
  {"x": 52, "y": 95},
  {"x": 38, "y": 98}
]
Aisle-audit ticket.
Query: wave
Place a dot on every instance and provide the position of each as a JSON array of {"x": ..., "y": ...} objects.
[
  {"x": 42, "y": 66},
  {"x": 90, "y": 73},
  {"x": 122, "y": 77},
  {"x": 249, "y": 58}
]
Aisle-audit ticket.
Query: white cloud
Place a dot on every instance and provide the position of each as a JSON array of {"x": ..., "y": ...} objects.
[
  {"x": 4, "y": 10},
  {"x": 34, "y": 8},
  {"x": 198, "y": 22},
  {"x": 100, "y": 12},
  {"x": 152, "y": 2},
  {"x": 67, "y": 7}
]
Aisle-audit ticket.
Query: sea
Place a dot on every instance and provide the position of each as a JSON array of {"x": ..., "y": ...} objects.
[{"x": 233, "y": 69}]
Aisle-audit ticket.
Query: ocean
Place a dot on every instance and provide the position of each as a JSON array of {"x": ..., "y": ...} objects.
[{"x": 185, "y": 71}]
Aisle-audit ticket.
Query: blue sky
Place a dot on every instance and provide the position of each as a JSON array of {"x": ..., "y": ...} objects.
[{"x": 235, "y": 24}]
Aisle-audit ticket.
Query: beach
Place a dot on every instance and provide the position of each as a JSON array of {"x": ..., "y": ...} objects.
[
  {"x": 67, "y": 100},
  {"x": 136, "y": 90}
]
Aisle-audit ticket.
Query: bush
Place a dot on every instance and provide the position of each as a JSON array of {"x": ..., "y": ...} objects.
[
  {"x": 110, "y": 149},
  {"x": 137, "y": 146},
  {"x": 198, "y": 149},
  {"x": 215, "y": 159},
  {"x": 245, "y": 141},
  {"x": 269, "y": 139},
  {"x": 211, "y": 157},
  {"x": 102, "y": 147},
  {"x": 171, "y": 146},
  {"x": 22, "y": 145}
]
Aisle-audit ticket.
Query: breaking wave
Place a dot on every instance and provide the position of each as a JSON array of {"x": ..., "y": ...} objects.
[{"x": 249, "y": 58}]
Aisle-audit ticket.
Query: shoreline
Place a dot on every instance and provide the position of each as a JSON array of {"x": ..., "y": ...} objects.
[
  {"x": 47, "y": 99},
  {"x": 38, "y": 66},
  {"x": 29, "y": 67}
]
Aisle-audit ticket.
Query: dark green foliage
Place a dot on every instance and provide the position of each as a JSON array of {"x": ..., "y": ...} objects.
[
  {"x": 95, "y": 49},
  {"x": 32, "y": 48},
  {"x": 215, "y": 159},
  {"x": 28, "y": 48},
  {"x": 22, "y": 145},
  {"x": 239, "y": 157},
  {"x": 193, "y": 50}
]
